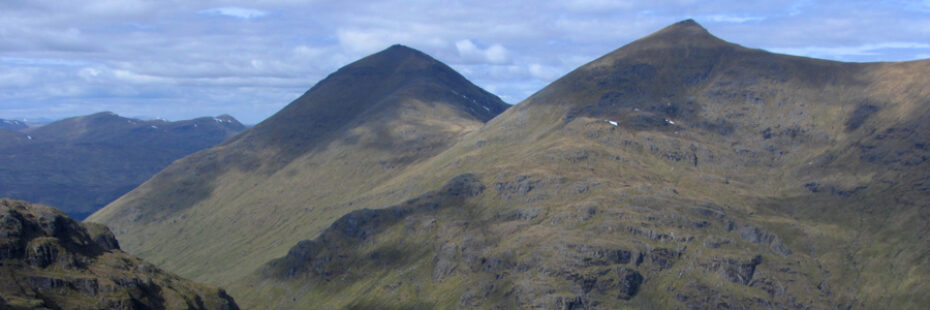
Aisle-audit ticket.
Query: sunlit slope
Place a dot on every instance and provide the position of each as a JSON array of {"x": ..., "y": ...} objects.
[
  {"x": 219, "y": 214},
  {"x": 680, "y": 171}
]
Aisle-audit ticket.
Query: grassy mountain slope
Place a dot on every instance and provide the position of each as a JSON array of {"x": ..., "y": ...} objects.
[
  {"x": 80, "y": 164},
  {"x": 229, "y": 209},
  {"x": 49, "y": 261},
  {"x": 733, "y": 178}
]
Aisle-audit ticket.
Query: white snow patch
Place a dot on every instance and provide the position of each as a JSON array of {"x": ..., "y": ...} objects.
[
  {"x": 486, "y": 108},
  {"x": 613, "y": 123},
  {"x": 29, "y": 137},
  {"x": 670, "y": 122},
  {"x": 153, "y": 126}
]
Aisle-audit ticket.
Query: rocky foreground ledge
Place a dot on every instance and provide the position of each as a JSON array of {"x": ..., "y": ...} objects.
[{"x": 50, "y": 261}]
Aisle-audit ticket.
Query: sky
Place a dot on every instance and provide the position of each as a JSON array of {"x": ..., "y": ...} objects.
[{"x": 181, "y": 59}]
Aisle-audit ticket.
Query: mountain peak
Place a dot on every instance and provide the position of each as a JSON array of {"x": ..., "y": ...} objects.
[
  {"x": 397, "y": 57},
  {"x": 675, "y": 42},
  {"x": 401, "y": 48},
  {"x": 688, "y": 24},
  {"x": 686, "y": 32}
]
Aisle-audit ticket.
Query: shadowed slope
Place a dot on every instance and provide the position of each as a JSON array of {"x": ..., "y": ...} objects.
[{"x": 219, "y": 214}]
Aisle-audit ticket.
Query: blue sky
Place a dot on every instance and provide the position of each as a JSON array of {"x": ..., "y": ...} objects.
[{"x": 179, "y": 59}]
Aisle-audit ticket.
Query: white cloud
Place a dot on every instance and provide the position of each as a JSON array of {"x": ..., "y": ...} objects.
[
  {"x": 137, "y": 78},
  {"x": 236, "y": 12},
  {"x": 721, "y": 18},
  {"x": 598, "y": 5},
  {"x": 494, "y": 54},
  {"x": 42, "y": 61},
  {"x": 140, "y": 56},
  {"x": 544, "y": 73},
  {"x": 121, "y": 7},
  {"x": 358, "y": 41},
  {"x": 842, "y": 52}
]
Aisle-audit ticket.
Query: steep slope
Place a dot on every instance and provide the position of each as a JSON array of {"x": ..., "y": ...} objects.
[
  {"x": 82, "y": 163},
  {"x": 219, "y": 214},
  {"x": 49, "y": 261},
  {"x": 677, "y": 172}
]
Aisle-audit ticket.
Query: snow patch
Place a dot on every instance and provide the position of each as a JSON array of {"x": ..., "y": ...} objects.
[
  {"x": 612, "y": 122},
  {"x": 486, "y": 108},
  {"x": 29, "y": 137},
  {"x": 670, "y": 122},
  {"x": 153, "y": 126}
]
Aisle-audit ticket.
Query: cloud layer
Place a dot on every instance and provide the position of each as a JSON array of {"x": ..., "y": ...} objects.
[{"x": 182, "y": 59}]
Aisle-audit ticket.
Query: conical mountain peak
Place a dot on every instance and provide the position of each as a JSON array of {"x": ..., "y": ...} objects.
[
  {"x": 375, "y": 84},
  {"x": 399, "y": 58},
  {"x": 685, "y": 26},
  {"x": 686, "y": 33}
]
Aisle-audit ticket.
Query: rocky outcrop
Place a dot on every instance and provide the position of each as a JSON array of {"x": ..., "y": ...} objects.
[
  {"x": 101, "y": 235},
  {"x": 324, "y": 256},
  {"x": 621, "y": 282},
  {"x": 737, "y": 271},
  {"x": 48, "y": 260}
]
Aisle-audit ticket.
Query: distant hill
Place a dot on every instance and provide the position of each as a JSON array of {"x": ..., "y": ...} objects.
[
  {"x": 82, "y": 163},
  {"x": 679, "y": 171},
  {"x": 49, "y": 261},
  {"x": 13, "y": 125}
]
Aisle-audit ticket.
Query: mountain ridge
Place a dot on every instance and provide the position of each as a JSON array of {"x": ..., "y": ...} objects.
[
  {"x": 697, "y": 175},
  {"x": 82, "y": 163},
  {"x": 746, "y": 179}
]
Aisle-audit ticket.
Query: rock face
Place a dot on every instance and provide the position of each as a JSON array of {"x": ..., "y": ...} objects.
[
  {"x": 82, "y": 163},
  {"x": 49, "y": 261}
]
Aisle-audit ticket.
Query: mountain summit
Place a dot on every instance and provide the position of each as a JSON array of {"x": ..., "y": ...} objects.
[
  {"x": 323, "y": 155},
  {"x": 375, "y": 86}
]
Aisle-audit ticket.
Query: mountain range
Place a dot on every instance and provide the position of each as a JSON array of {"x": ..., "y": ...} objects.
[
  {"x": 13, "y": 125},
  {"x": 679, "y": 171},
  {"x": 82, "y": 163}
]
